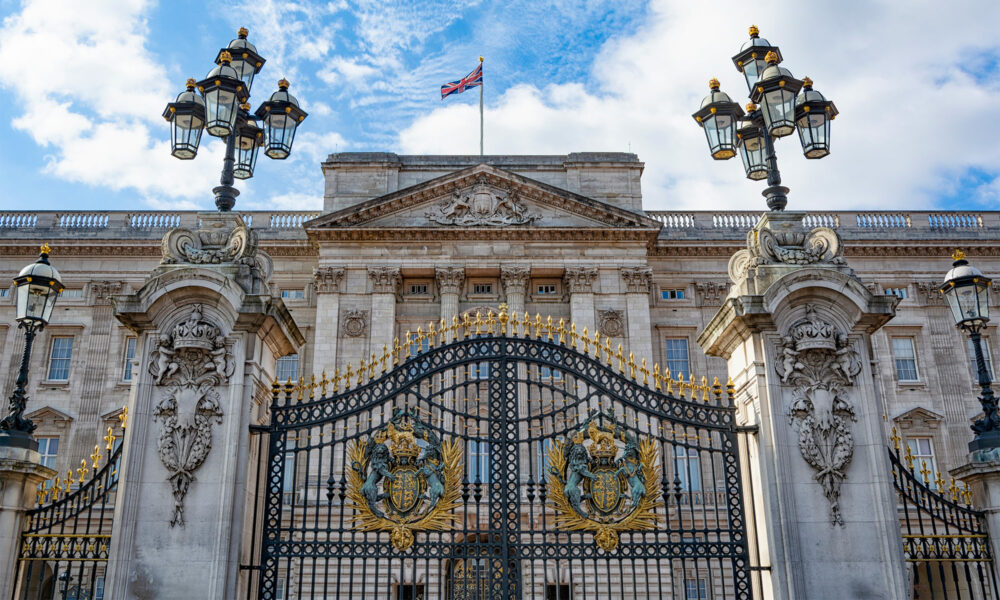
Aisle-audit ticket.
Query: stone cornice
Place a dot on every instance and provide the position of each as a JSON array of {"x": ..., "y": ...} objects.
[{"x": 397, "y": 234}]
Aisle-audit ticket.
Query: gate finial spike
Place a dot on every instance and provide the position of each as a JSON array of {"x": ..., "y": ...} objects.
[
  {"x": 490, "y": 321},
  {"x": 300, "y": 388},
  {"x": 704, "y": 388},
  {"x": 656, "y": 377},
  {"x": 431, "y": 335},
  {"x": 503, "y": 318},
  {"x": 621, "y": 360},
  {"x": 312, "y": 386},
  {"x": 645, "y": 373},
  {"x": 443, "y": 331},
  {"x": 384, "y": 358},
  {"x": 548, "y": 328},
  {"x": 323, "y": 383},
  {"x": 631, "y": 365},
  {"x": 347, "y": 376},
  {"x": 895, "y": 439},
  {"x": 561, "y": 331},
  {"x": 717, "y": 390},
  {"x": 572, "y": 335},
  {"x": 336, "y": 380},
  {"x": 526, "y": 324},
  {"x": 586, "y": 341}
]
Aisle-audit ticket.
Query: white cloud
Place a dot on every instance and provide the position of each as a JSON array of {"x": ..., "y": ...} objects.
[{"x": 910, "y": 117}]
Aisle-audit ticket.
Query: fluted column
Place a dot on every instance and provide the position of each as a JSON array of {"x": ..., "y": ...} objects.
[
  {"x": 640, "y": 335},
  {"x": 580, "y": 283},
  {"x": 385, "y": 283},
  {"x": 326, "y": 284},
  {"x": 449, "y": 282},
  {"x": 515, "y": 286}
]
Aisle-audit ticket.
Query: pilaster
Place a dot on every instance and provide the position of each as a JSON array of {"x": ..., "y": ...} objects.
[
  {"x": 449, "y": 284},
  {"x": 326, "y": 284},
  {"x": 515, "y": 280},
  {"x": 637, "y": 281},
  {"x": 385, "y": 284},
  {"x": 579, "y": 282}
]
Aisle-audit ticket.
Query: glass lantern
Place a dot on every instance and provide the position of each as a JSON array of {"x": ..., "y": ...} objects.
[
  {"x": 186, "y": 116},
  {"x": 750, "y": 59},
  {"x": 775, "y": 93},
  {"x": 224, "y": 92},
  {"x": 813, "y": 114},
  {"x": 38, "y": 286},
  {"x": 244, "y": 58},
  {"x": 249, "y": 139},
  {"x": 968, "y": 293},
  {"x": 752, "y": 146},
  {"x": 281, "y": 116},
  {"x": 718, "y": 116}
]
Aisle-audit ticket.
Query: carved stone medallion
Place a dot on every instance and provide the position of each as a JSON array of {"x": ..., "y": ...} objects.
[
  {"x": 482, "y": 204},
  {"x": 188, "y": 363},
  {"x": 355, "y": 323},
  {"x": 611, "y": 323}
]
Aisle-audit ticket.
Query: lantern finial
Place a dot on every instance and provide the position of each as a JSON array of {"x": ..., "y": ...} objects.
[
  {"x": 45, "y": 249},
  {"x": 243, "y": 33},
  {"x": 191, "y": 83},
  {"x": 771, "y": 58},
  {"x": 713, "y": 83},
  {"x": 283, "y": 84},
  {"x": 245, "y": 106},
  {"x": 807, "y": 83},
  {"x": 958, "y": 255},
  {"x": 754, "y": 32},
  {"x": 225, "y": 57},
  {"x": 751, "y": 107}
]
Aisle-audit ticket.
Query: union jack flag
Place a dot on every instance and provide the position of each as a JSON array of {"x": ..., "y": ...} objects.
[{"x": 473, "y": 79}]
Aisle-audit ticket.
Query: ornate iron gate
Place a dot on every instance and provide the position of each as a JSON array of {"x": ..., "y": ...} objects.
[
  {"x": 64, "y": 547},
  {"x": 499, "y": 458},
  {"x": 945, "y": 540}
]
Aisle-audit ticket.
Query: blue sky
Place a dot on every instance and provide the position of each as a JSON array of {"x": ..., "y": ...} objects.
[{"x": 84, "y": 84}]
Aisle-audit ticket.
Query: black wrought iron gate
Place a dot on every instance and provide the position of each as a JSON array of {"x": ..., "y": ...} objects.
[{"x": 499, "y": 458}]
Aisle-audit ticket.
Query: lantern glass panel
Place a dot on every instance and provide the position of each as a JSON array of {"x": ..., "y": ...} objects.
[
  {"x": 35, "y": 302},
  {"x": 186, "y": 135},
  {"x": 967, "y": 301},
  {"x": 220, "y": 106},
  {"x": 721, "y": 133},
  {"x": 779, "y": 112},
  {"x": 245, "y": 69},
  {"x": 751, "y": 71},
  {"x": 280, "y": 134},
  {"x": 246, "y": 156},
  {"x": 752, "y": 153},
  {"x": 814, "y": 133}
]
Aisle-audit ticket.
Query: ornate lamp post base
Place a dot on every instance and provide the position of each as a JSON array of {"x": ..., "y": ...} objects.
[
  {"x": 13, "y": 438},
  {"x": 225, "y": 197},
  {"x": 776, "y": 196},
  {"x": 986, "y": 440}
]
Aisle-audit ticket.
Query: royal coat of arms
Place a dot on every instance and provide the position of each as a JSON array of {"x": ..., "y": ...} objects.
[
  {"x": 605, "y": 480},
  {"x": 404, "y": 479}
]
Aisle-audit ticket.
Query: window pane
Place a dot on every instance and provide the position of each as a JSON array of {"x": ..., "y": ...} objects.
[
  {"x": 288, "y": 367},
  {"x": 677, "y": 356},
  {"x": 987, "y": 356},
  {"x": 905, "y": 358},
  {"x": 128, "y": 358},
  {"x": 59, "y": 359},
  {"x": 687, "y": 468},
  {"x": 924, "y": 463},
  {"x": 479, "y": 461}
]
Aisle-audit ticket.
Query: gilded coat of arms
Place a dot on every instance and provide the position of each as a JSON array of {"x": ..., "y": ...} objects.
[
  {"x": 605, "y": 480},
  {"x": 404, "y": 479}
]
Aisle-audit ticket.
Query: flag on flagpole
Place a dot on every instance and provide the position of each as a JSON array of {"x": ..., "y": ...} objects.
[{"x": 473, "y": 79}]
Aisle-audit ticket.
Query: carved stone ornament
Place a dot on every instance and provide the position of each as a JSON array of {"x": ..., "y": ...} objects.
[
  {"x": 482, "y": 204},
  {"x": 637, "y": 279},
  {"x": 355, "y": 323},
  {"x": 385, "y": 280},
  {"x": 710, "y": 293},
  {"x": 100, "y": 290},
  {"x": 765, "y": 246},
  {"x": 222, "y": 240},
  {"x": 189, "y": 363},
  {"x": 611, "y": 323},
  {"x": 449, "y": 279},
  {"x": 580, "y": 280},
  {"x": 515, "y": 279},
  {"x": 820, "y": 363},
  {"x": 930, "y": 293},
  {"x": 326, "y": 280}
]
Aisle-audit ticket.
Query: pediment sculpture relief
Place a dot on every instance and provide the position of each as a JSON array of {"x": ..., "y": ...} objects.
[
  {"x": 188, "y": 363},
  {"x": 819, "y": 361},
  {"x": 482, "y": 204}
]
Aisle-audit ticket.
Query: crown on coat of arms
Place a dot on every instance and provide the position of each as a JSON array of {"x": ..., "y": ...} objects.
[
  {"x": 193, "y": 332},
  {"x": 604, "y": 442},
  {"x": 402, "y": 442}
]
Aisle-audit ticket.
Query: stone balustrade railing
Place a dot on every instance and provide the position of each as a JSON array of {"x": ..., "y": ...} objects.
[{"x": 288, "y": 224}]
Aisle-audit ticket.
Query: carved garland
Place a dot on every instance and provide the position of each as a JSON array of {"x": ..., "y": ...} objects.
[
  {"x": 820, "y": 363},
  {"x": 189, "y": 362}
]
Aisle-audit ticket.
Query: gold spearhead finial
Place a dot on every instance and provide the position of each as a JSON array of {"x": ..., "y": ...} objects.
[
  {"x": 45, "y": 249},
  {"x": 771, "y": 58},
  {"x": 754, "y": 32},
  {"x": 956, "y": 255}
]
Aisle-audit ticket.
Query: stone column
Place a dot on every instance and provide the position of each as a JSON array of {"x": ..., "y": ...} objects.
[
  {"x": 982, "y": 474},
  {"x": 209, "y": 335},
  {"x": 797, "y": 337},
  {"x": 326, "y": 284},
  {"x": 637, "y": 282},
  {"x": 580, "y": 283},
  {"x": 515, "y": 286},
  {"x": 385, "y": 283},
  {"x": 21, "y": 472},
  {"x": 449, "y": 283}
]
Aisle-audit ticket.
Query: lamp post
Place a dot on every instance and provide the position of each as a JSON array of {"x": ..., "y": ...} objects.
[
  {"x": 968, "y": 294},
  {"x": 221, "y": 109},
  {"x": 38, "y": 286},
  {"x": 777, "y": 109}
]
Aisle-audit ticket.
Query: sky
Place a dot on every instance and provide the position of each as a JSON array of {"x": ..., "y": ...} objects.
[{"x": 917, "y": 84}]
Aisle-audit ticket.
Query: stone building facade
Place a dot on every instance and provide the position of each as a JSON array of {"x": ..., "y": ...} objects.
[{"x": 408, "y": 240}]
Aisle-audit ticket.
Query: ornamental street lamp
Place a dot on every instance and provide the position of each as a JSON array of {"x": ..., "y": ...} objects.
[
  {"x": 777, "y": 109},
  {"x": 37, "y": 287},
  {"x": 223, "y": 112},
  {"x": 968, "y": 294}
]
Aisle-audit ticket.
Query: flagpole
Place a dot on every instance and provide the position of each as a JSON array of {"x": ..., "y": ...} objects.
[{"x": 481, "y": 112}]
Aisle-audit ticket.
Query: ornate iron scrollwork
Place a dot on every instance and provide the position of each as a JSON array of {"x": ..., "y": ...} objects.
[
  {"x": 404, "y": 479},
  {"x": 597, "y": 486}
]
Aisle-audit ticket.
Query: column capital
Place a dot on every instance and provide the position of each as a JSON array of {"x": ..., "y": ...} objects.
[
  {"x": 385, "y": 280},
  {"x": 515, "y": 279},
  {"x": 326, "y": 280},
  {"x": 637, "y": 279},
  {"x": 100, "y": 290},
  {"x": 449, "y": 279},
  {"x": 580, "y": 280}
]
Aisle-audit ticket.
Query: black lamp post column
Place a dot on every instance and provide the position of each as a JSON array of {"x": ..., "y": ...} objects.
[
  {"x": 987, "y": 429},
  {"x": 776, "y": 195},
  {"x": 225, "y": 194},
  {"x": 14, "y": 424}
]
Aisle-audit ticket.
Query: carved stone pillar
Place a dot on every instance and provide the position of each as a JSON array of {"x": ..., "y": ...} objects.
[
  {"x": 209, "y": 335},
  {"x": 385, "y": 283},
  {"x": 449, "y": 282},
  {"x": 982, "y": 474},
  {"x": 637, "y": 282},
  {"x": 515, "y": 282},
  {"x": 21, "y": 471},
  {"x": 326, "y": 284},
  {"x": 796, "y": 333},
  {"x": 579, "y": 282}
]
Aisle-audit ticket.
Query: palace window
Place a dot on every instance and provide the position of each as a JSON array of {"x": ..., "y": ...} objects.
[
  {"x": 543, "y": 447},
  {"x": 48, "y": 448},
  {"x": 99, "y": 588},
  {"x": 418, "y": 289},
  {"x": 288, "y": 368},
  {"x": 60, "y": 355},
  {"x": 922, "y": 449},
  {"x": 482, "y": 288},
  {"x": 127, "y": 358},
  {"x": 547, "y": 289},
  {"x": 293, "y": 294},
  {"x": 550, "y": 374},
  {"x": 987, "y": 356},
  {"x": 672, "y": 294},
  {"x": 4, "y": 292},
  {"x": 899, "y": 292},
  {"x": 695, "y": 589},
  {"x": 687, "y": 468},
  {"x": 480, "y": 370},
  {"x": 74, "y": 294},
  {"x": 557, "y": 591},
  {"x": 905, "y": 356},
  {"x": 479, "y": 461},
  {"x": 677, "y": 357}
]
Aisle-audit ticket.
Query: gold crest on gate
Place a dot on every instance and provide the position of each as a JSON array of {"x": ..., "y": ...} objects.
[
  {"x": 404, "y": 479},
  {"x": 598, "y": 486}
]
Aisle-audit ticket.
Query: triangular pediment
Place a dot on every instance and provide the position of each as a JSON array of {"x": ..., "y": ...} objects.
[
  {"x": 483, "y": 199},
  {"x": 918, "y": 417},
  {"x": 48, "y": 416}
]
